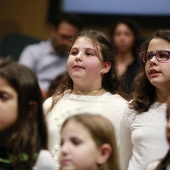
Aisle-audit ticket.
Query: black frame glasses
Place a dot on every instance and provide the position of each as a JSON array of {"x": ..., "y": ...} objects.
[{"x": 162, "y": 56}]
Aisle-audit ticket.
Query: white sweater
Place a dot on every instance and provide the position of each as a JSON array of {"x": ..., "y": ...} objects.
[
  {"x": 143, "y": 137},
  {"x": 45, "y": 161},
  {"x": 108, "y": 105}
]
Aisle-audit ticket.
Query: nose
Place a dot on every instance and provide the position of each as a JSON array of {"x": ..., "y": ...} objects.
[
  {"x": 64, "y": 149},
  {"x": 79, "y": 57},
  {"x": 153, "y": 60}
]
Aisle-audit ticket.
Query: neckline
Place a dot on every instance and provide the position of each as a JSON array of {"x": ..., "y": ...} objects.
[{"x": 97, "y": 92}]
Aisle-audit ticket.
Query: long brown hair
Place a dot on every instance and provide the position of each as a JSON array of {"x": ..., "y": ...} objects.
[
  {"x": 144, "y": 92},
  {"x": 109, "y": 81}
]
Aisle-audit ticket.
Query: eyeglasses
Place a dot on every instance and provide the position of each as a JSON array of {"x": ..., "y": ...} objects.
[{"x": 161, "y": 56}]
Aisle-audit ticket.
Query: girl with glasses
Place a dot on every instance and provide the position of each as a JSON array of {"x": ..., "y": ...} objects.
[{"x": 143, "y": 136}]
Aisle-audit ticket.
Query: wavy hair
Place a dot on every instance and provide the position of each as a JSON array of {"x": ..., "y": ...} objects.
[
  {"x": 144, "y": 92},
  {"x": 109, "y": 81}
]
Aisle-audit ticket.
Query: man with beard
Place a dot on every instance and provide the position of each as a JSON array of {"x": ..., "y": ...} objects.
[{"x": 48, "y": 58}]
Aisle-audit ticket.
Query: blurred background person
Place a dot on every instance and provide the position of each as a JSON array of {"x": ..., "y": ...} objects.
[
  {"x": 23, "y": 133},
  {"x": 125, "y": 35},
  {"x": 48, "y": 58}
]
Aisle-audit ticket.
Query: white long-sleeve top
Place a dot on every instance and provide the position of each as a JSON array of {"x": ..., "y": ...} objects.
[
  {"x": 108, "y": 105},
  {"x": 143, "y": 137}
]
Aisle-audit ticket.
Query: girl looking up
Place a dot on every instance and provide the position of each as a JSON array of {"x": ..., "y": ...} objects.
[
  {"x": 90, "y": 86},
  {"x": 143, "y": 136}
]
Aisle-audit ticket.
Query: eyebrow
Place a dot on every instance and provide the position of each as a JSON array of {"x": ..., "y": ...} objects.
[{"x": 84, "y": 48}]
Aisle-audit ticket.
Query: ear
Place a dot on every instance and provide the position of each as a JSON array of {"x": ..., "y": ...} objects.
[
  {"x": 104, "y": 153},
  {"x": 106, "y": 67}
]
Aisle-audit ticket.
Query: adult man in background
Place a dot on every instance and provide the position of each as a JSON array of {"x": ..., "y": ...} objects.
[{"x": 48, "y": 58}]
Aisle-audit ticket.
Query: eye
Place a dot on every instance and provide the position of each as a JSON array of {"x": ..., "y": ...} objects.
[
  {"x": 127, "y": 34},
  {"x": 163, "y": 54},
  {"x": 89, "y": 53},
  {"x": 149, "y": 56},
  {"x": 4, "y": 97},
  {"x": 61, "y": 143},
  {"x": 73, "y": 52},
  {"x": 76, "y": 141}
]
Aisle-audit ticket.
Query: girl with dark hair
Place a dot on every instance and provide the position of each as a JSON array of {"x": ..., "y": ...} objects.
[
  {"x": 89, "y": 86},
  {"x": 88, "y": 142},
  {"x": 143, "y": 125},
  {"x": 126, "y": 38},
  {"x": 23, "y": 134}
]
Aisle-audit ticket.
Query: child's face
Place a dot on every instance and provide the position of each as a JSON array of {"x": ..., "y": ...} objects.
[
  {"x": 85, "y": 64},
  {"x": 78, "y": 149},
  {"x": 158, "y": 73},
  {"x": 8, "y": 105}
]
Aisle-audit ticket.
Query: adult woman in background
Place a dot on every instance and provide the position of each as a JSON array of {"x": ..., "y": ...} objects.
[{"x": 125, "y": 35}]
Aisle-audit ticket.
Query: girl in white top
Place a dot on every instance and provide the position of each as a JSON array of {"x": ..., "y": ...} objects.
[
  {"x": 163, "y": 164},
  {"x": 23, "y": 134},
  {"x": 143, "y": 136},
  {"x": 88, "y": 145},
  {"x": 90, "y": 86}
]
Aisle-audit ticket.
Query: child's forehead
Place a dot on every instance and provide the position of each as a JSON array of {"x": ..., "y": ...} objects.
[
  {"x": 73, "y": 127},
  {"x": 90, "y": 40},
  {"x": 86, "y": 42}
]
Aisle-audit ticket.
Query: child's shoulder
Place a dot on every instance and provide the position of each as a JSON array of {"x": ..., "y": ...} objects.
[
  {"x": 47, "y": 103},
  {"x": 45, "y": 161}
]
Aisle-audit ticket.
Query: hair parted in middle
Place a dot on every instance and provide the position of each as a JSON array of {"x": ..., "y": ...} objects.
[{"x": 102, "y": 132}]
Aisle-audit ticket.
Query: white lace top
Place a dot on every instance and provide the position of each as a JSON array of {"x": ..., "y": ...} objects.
[
  {"x": 143, "y": 137},
  {"x": 153, "y": 165},
  {"x": 108, "y": 105}
]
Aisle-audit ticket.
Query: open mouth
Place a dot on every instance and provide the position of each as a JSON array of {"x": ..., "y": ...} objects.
[{"x": 152, "y": 71}]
